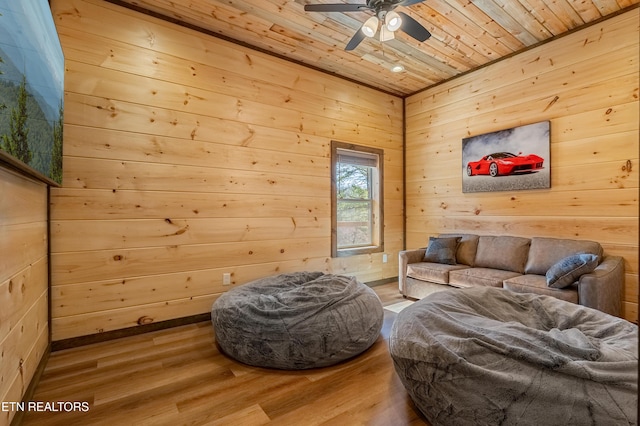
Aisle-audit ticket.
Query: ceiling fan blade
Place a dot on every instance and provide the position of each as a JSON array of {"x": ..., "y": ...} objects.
[
  {"x": 406, "y": 3},
  {"x": 355, "y": 40},
  {"x": 335, "y": 7},
  {"x": 413, "y": 28}
]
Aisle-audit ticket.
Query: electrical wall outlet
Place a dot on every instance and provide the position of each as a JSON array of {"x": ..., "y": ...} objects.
[
  {"x": 226, "y": 278},
  {"x": 385, "y": 258}
]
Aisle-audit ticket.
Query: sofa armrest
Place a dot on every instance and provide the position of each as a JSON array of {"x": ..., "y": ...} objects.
[
  {"x": 603, "y": 288},
  {"x": 406, "y": 257}
]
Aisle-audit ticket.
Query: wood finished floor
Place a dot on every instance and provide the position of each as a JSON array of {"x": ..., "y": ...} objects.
[{"x": 178, "y": 377}]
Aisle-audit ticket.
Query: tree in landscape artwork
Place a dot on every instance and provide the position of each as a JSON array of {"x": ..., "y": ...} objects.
[{"x": 31, "y": 87}]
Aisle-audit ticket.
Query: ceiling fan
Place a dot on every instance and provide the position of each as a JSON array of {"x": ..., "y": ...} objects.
[{"x": 383, "y": 12}]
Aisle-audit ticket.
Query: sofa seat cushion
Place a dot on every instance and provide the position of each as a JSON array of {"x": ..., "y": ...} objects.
[
  {"x": 502, "y": 252},
  {"x": 483, "y": 277},
  {"x": 433, "y": 272},
  {"x": 546, "y": 252},
  {"x": 538, "y": 284}
]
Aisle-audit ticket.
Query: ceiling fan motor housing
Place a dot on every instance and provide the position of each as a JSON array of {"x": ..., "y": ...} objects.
[
  {"x": 382, "y": 7},
  {"x": 389, "y": 4}
]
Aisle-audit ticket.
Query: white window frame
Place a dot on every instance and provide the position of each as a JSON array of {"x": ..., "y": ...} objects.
[{"x": 373, "y": 157}]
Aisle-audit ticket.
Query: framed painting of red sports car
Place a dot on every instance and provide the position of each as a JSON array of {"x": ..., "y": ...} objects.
[{"x": 507, "y": 160}]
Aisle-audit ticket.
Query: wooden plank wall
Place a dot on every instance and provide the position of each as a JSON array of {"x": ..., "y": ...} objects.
[
  {"x": 24, "y": 306},
  {"x": 186, "y": 157},
  {"x": 586, "y": 84}
]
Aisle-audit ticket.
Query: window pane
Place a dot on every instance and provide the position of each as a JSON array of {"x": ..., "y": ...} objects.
[
  {"x": 354, "y": 223},
  {"x": 356, "y": 202},
  {"x": 353, "y": 182}
]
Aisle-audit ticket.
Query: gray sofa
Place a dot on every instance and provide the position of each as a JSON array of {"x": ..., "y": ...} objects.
[{"x": 517, "y": 264}]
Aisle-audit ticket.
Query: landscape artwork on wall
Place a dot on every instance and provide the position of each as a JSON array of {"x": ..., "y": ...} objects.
[
  {"x": 507, "y": 160},
  {"x": 31, "y": 89}
]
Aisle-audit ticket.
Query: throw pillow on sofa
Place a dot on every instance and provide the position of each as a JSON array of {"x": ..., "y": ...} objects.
[
  {"x": 570, "y": 269},
  {"x": 442, "y": 250},
  {"x": 467, "y": 248}
]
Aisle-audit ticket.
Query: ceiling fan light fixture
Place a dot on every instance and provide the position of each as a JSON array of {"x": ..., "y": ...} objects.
[
  {"x": 370, "y": 26},
  {"x": 385, "y": 34},
  {"x": 392, "y": 21},
  {"x": 384, "y": 11}
]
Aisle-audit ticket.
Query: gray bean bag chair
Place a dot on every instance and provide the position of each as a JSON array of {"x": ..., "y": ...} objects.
[
  {"x": 297, "y": 321},
  {"x": 487, "y": 356}
]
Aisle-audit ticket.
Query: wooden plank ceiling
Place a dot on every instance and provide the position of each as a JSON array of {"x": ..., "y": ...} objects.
[{"x": 466, "y": 34}]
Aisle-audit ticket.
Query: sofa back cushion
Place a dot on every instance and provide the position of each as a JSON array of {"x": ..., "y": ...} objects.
[
  {"x": 502, "y": 252},
  {"x": 466, "y": 252},
  {"x": 546, "y": 252}
]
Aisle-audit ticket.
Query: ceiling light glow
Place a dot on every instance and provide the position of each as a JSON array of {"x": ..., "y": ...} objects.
[{"x": 392, "y": 21}]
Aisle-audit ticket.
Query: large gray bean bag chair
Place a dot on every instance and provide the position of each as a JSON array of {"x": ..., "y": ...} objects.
[
  {"x": 297, "y": 321},
  {"x": 487, "y": 356}
]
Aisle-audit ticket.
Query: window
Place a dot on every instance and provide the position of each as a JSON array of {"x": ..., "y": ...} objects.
[{"x": 356, "y": 178}]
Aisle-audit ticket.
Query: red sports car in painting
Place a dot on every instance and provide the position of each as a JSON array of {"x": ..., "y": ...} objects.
[{"x": 505, "y": 163}]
